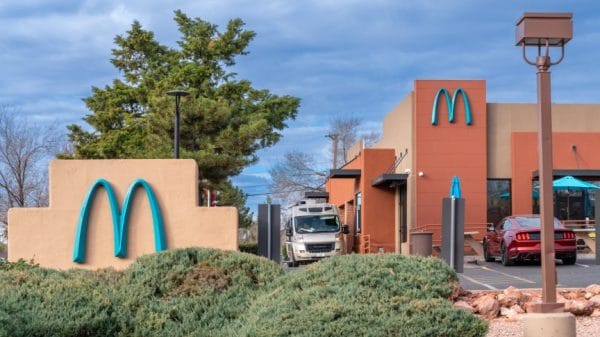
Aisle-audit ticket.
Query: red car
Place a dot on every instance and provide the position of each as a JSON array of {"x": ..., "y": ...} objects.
[{"x": 517, "y": 238}]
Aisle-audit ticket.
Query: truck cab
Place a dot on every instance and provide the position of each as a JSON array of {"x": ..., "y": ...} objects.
[{"x": 313, "y": 232}]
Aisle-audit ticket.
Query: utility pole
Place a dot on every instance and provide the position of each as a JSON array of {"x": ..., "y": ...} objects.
[{"x": 334, "y": 139}]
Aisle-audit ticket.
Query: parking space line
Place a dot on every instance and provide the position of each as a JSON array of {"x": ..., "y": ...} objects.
[
  {"x": 582, "y": 265},
  {"x": 470, "y": 279},
  {"x": 508, "y": 275}
]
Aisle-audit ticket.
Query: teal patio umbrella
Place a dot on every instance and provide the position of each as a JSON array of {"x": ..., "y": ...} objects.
[
  {"x": 455, "y": 188},
  {"x": 572, "y": 183}
]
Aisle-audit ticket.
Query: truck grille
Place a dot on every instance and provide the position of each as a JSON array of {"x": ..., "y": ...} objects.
[{"x": 320, "y": 247}]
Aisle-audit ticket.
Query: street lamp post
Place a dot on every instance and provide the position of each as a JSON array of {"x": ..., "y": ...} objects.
[
  {"x": 334, "y": 140},
  {"x": 178, "y": 94},
  {"x": 545, "y": 30}
]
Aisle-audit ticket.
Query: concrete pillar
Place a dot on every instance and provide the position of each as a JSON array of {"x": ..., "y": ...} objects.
[{"x": 559, "y": 324}]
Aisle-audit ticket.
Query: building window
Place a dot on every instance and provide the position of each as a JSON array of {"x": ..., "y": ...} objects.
[
  {"x": 498, "y": 199},
  {"x": 357, "y": 221},
  {"x": 535, "y": 197}
]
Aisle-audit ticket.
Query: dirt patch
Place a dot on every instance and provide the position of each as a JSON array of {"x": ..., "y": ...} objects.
[{"x": 201, "y": 279}]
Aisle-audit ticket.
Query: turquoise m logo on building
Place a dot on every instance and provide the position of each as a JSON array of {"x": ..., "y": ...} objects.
[
  {"x": 120, "y": 219},
  {"x": 451, "y": 105}
]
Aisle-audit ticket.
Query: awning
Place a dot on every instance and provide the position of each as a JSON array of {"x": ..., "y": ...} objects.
[
  {"x": 344, "y": 173},
  {"x": 390, "y": 180},
  {"x": 316, "y": 195}
]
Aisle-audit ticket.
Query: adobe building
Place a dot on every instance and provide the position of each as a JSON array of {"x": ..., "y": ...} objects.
[
  {"x": 446, "y": 128},
  {"x": 107, "y": 213}
]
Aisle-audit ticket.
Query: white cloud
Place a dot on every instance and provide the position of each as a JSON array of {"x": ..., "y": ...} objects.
[
  {"x": 358, "y": 57},
  {"x": 302, "y": 131}
]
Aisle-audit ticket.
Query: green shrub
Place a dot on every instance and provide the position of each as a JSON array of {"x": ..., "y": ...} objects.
[
  {"x": 19, "y": 265},
  {"x": 42, "y": 302},
  {"x": 208, "y": 292},
  {"x": 250, "y": 248},
  {"x": 372, "y": 295},
  {"x": 175, "y": 293},
  {"x": 193, "y": 291}
]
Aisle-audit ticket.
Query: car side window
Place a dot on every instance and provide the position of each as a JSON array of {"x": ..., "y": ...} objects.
[{"x": 507, "y": 225}]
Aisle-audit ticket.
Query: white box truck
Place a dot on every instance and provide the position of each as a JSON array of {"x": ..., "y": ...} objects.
[{"x": 313, "y": 232}]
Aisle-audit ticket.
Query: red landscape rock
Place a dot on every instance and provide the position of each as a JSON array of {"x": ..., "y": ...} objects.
[
  {"x": 487, "y": 306},
  {"x": 579, "y": 307},
  {"x": 595, "y": 300},
  {"x": 594, "y": 289},
  {"x": 529, "y": 306},
  {"x": 464, "y": 305},
  {"x": 562, "y": 299},
  {"x": 511, "y": 302},
  {"x": 509, "y": 313}
]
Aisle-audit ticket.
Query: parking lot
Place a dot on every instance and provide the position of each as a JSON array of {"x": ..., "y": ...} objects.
[{"x": 481, "y": 275}]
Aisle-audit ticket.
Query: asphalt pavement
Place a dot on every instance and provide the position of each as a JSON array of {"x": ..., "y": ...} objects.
[{"x": 481, "y": 275}]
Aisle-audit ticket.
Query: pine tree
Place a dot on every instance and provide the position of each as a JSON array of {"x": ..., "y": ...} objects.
[{"x": 223, "y": 122}]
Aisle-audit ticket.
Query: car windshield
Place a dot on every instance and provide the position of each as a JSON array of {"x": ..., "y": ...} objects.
[
  {"x": 534, "y": 222},
  {"x": 317, "y": 224}
]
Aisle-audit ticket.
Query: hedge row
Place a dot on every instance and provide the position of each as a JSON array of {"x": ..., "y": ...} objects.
[
  {"x": 207, "y": 292},
  {"x": 250, "y": 248},
  {"x": 363, "y": 295},
  {"x": 176, "y": 293}
]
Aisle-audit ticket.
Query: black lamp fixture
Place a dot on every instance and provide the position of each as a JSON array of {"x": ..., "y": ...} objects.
[{"x": 178, "y": 93}]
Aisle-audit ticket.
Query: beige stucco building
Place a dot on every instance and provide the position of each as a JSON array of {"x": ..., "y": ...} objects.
[{"x": 49, "y": 236}]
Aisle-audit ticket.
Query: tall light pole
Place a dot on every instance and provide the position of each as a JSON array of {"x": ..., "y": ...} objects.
[
  {"x": 334, "y": 139},
  {"x": 543, "y": 31},
  {"x": 178, "y": 94}
]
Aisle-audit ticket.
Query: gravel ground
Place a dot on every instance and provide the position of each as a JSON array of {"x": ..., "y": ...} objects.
[{"x": 586, "y": 327}]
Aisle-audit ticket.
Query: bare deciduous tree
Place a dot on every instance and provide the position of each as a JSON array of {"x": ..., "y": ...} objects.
[
  {"x": 295, "y": 174},
  {"x": 371, "y": 138},
  {"x": 299, "y": 172},
  {"x": 345, "y": 128},
  {"x": 25, "y": 149}
]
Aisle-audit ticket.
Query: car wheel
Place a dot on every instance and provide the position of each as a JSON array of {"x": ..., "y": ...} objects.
[
  {"x": 505, "y": 260},
  {"x": 292, "y": 262},
  {"x": 486, "y": 254},
  {"x": 569, "y": 260}
]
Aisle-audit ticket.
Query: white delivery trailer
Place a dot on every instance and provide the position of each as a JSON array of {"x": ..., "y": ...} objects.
[{"x": 313, "y": 232}]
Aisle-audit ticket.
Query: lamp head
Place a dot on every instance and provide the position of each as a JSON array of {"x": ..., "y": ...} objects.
[
  {"x": 537, "y": 29},
  {"x": 177, "y": 93}
]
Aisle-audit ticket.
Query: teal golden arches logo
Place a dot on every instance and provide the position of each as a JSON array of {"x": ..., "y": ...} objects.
[
  {"x": 451, "y": 105},
  {"x": 120, "y": 219}
]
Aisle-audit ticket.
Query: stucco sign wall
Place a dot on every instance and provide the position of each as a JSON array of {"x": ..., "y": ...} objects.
[{"x": 106, "y": 213}]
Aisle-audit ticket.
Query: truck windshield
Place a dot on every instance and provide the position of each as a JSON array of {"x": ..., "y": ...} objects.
[{"x": 317, "y": 224}]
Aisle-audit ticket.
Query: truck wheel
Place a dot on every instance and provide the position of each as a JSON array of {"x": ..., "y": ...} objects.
[{"x": 292, "y": 263}]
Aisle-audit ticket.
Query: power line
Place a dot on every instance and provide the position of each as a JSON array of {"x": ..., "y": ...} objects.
[{"x": 271, "y": 193}]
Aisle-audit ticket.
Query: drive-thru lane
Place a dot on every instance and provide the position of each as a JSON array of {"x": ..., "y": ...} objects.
[{"x": 493, "y": 275}]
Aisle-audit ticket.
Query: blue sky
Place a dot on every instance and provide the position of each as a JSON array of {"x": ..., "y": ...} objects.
[{"x": 350, "y": 57}]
